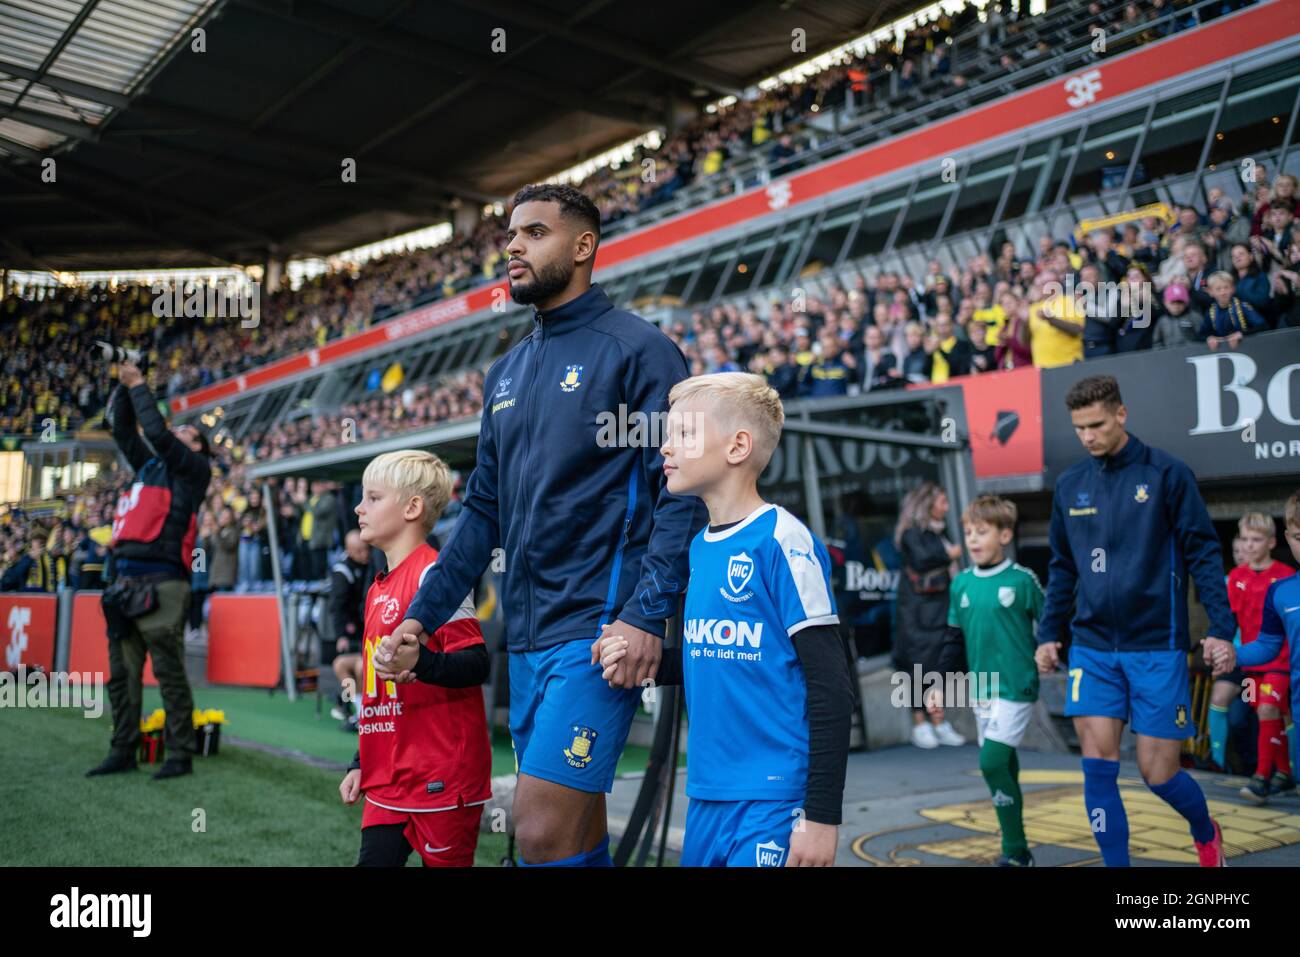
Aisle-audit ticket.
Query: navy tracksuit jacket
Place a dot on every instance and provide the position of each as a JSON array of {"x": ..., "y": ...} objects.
[
  {"x": 1139, "y": 516},
  {"x": 589, "y": 534}
]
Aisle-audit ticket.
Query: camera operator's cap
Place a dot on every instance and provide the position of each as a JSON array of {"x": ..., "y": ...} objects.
[{"x": 1176, "y": 293}]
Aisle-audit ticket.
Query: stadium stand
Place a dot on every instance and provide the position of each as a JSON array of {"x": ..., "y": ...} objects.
[{"x": 912, "y": 292}]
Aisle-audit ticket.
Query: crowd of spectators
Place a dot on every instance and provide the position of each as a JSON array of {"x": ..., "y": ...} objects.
[
  {"x": 64, "y": 544},
  {"x": 1211, "y": 276},
  {"x": 416, "y": 407},
  {"x": 1214, "y": 276}
]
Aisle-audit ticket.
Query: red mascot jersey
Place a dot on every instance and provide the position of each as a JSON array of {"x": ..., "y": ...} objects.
[
  {"x": 1247, "y": 590},
  {"x": 423, "y": 747}
]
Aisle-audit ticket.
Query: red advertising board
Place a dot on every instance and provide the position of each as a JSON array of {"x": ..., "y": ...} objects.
[
  {"x": 1004, "y": 413},
  {"x": 27, "y": 625},
  {"x": 244, "y": 640},
  {"x": 1144, "y": 67}
]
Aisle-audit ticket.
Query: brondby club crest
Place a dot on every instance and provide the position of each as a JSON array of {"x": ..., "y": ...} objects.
[
  {"x": 578, "y": 753},
  {"x": 572, "y": 378}
]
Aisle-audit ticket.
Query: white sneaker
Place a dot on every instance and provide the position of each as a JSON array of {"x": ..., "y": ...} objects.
[
  {"x": 948, "y": 735},
  {"x": 923, "y": 735}
]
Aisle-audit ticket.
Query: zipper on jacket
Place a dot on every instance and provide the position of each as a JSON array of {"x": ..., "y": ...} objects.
[
  {"x": 617, "y": 564},
  {"x": 540, "y": 331},
  {"x": 1107, "y": 475}
]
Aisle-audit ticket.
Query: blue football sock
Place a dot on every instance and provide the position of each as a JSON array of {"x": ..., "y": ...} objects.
[
  {"x": 1105, "y": 810},
  {"x": 1185, "y": 796},
  {"x": 598, "y": 856},
  {"x": 1218, "y": 735},
  {"x": 577, "y": 860}
]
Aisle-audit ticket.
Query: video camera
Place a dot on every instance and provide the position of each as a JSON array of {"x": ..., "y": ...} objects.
[{"x": 111, "y": 353}]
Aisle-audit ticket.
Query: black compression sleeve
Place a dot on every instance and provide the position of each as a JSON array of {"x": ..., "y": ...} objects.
[
  {"x": 356, "y": 761},
  {"x": 830, "y": 711},
  {"x": 670, "y": 667},
  {"x": 454, "y": 669}
]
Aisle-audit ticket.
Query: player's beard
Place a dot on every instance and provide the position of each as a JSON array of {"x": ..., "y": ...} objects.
[{"x": 551, "y": 280}]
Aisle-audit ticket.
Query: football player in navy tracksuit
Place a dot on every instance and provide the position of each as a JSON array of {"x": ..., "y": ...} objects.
[
  {"x": 569, "y": 484},
  {"x": 1128, "y": 527}
]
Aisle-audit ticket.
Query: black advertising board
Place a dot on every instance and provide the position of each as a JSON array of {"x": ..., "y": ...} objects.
[{"x": 1228, "y": 414}]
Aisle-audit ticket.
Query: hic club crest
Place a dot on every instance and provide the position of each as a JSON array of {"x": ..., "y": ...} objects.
[
  {"x": 769, "y": 854},
  {"x": 1006, "y": 596},
  {"x": 740, "y": 568}
]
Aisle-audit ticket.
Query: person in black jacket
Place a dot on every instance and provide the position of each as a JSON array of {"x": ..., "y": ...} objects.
[
  {"x": 782, "y": 374},
  {"x": 879, "y": 365},
  {"x": 153, "y": 538},
  {"x": 923, "y": 604},
  {"x": 349, "y": 580}
]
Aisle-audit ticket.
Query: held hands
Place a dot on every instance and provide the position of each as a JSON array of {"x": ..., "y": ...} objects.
[
  {"x": 396, "y": 655},
  {"x": 612, "y": 649},
  {"x": 1220, "y": 655},
  {"x": 1048, "y": 656},
  {"x": 812, "y": 845},
  {"x": 639, "y": 660}
]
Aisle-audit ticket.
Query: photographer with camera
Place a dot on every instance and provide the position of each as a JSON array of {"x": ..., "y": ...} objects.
[{"x": 146, "y": 605}]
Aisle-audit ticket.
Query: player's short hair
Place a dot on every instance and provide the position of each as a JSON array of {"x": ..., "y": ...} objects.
[
  {"x": 1092, "y": 389},
  {"x": 1257, "y": 522},
  {"x": 573, "y": 203},
  {"x": 1220, "y": 275},
  {"x": 739, "y": 400},
  {"x": 1291, "y": 511},
  {"x": 413, "y": 472},
  {"x": 993, "y": 510}
]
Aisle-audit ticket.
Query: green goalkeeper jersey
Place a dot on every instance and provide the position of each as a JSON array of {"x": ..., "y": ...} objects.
[{"x": 996, "y": 609}]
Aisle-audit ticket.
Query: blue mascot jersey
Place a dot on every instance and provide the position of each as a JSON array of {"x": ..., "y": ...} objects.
[{"x": 753, "y": 587}]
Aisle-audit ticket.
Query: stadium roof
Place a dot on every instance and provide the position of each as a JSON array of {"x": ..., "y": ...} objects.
[{"x": 177, "y": 151}]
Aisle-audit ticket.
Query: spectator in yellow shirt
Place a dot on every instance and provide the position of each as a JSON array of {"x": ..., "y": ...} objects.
[
  {"x": 1055, "y": 325},
  {"x": 989, "y": 314}
]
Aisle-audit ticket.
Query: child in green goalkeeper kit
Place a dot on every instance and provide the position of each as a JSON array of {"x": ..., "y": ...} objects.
[{"x": 992, "y": 609}]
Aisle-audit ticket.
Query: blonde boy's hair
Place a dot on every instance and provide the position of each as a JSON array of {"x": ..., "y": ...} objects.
[
  {"x": 992, "y": 509},
  {"x": 1221, "y": 276},
  {"x": 1292, "y": 511},
  {"x": 411, "y": 472},
  {"x": 739, "y": 400},
  {"x": 1257, "y": 522}
]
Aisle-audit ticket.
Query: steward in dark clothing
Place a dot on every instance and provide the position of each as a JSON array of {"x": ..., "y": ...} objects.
[{"x": 349, "y": 580}]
